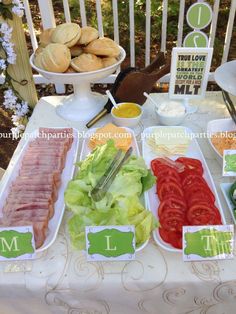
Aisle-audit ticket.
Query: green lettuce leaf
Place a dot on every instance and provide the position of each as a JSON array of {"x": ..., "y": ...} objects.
[{"x": 120, "y": 206}]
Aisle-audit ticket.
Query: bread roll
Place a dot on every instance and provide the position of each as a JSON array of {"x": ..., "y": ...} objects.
[
  {"x": 70, "y": 70},
  {"x": 86, "y": 62},
  {"x": 38, "y": 51},
  {"x": 76, "y": 51},
  {"x": 56, "y": 58},
  {"x": 103, "y": 47},
  {"x": 38, "y": 57},
  {"x": 45, "y": 37},
  {"x": 108, "y": 61},
  {"x": 67, "y": 34},
  {"x": 88, "y": 34}
]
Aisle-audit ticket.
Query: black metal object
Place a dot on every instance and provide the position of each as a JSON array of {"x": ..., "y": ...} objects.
[{"x": 229, "y": 104}]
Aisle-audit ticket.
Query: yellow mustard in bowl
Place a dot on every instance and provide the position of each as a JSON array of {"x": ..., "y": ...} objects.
[{"x": 127, "y": 110}]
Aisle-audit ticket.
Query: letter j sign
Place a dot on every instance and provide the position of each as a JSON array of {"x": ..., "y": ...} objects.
[{"x": 110, "y": 243}]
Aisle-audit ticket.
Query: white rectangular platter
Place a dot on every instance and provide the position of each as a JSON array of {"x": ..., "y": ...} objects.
[
  {"x": 86, "y": 150},
  {"x": 193, "y": 151},
  {"x": 225, "y": 190},
  {"x": 67, "y": 174}
]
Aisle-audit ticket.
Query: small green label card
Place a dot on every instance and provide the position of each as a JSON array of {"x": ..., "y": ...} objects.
[
  {"x": 113, "y": 243},
  {"x": 229, "y": 163},
  {"x": 208, "y": 242},
  {"x": 17, "y": 243}
]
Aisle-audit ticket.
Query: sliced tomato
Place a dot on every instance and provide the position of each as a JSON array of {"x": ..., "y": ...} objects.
[
  {"x": 192, "y": 179},
  {"x": 203, "y": 214},
  {"x": 168, "y": 172},
  {"x": 167, "y": 179},
  {"x": 157, "y": 166},
  {"x": 202, "y": 199},
  {"x": 174, "y": 238},
  {"x": 173, "y": 223},
  {"x": 217, "y": 221},
  {"x": 172, "y": 212},
  {"x": 189, "y": 172},
  {"x": 179, "y": 167},
  {"x": 191, "y": 164},
  {"x": 172, "y": 202},
  {"x": 167, "y": 189},
  {"x": 201, "y": 191}
]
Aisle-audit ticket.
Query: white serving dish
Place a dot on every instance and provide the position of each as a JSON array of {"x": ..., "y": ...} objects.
[
  {"x": 193, "y": 151},
  {"x": 219, "y": 125},
  {"x": 167, "y": 120},
  {"x": 127, "y": 122},
  {"x": 66, "y": 176},
  {"x": 225, "y": 76},
  {"x": 225, "y": 190},
  {"x": 86, "y": 150},
  {"x": 82, "y": 105}
]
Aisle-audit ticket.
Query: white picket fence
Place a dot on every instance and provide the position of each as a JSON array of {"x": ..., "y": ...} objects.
[{"x": 48, "y": 20}]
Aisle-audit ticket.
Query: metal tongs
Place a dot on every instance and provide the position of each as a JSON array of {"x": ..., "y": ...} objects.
[
  {"x": 229, "y": 105},
  {"x": 101, "y": 188}
]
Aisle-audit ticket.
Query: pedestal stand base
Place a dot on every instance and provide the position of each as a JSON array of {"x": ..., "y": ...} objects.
[{"x": 81, "y": 108}]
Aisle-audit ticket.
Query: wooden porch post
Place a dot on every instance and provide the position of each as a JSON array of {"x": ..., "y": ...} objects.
[{"x": 21, "y": 71}]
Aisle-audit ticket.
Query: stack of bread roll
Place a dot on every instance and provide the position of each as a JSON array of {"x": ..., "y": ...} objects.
[{"x": 70, "y": 49}]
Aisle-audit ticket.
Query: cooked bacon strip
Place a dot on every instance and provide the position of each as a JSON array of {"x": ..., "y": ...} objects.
[
  {"x": 32, "y": 187},
  {"x": 43, "y": 179},
  {"x": 45, "y": 155},
  {"x": 55, "y": 174},
  {"x": 25, "y": 200},
  {"x": 29, "y": 206},
  {"x": 38, "y": 162},
  {"x": 30, "y": 195},
  {"x": 67, "y": 132},
  {"x": 33, "y": 193},
  {"x": 40, "y": 213},
  {"x": 44, "y": 167}
]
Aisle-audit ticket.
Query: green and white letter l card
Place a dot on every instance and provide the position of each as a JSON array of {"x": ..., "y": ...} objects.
[
  {"x": 208, "y": 242},
  {"x": 110, "y": 243},
  {"x": 17, "y": 243}
]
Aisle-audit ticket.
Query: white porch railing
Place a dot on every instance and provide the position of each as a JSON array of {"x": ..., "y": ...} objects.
[{"x": 48, "y": 21}]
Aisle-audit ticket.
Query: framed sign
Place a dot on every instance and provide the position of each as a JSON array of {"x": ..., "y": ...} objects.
[{"x": 189, "y": 72}]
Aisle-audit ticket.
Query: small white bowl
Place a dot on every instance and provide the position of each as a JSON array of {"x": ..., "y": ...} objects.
[
  {"x": 219, "y": 125},
  {"x": 127, "y": 122},
  {"x": 165, "y": 120},
  {"x": 174, "y": 120}
]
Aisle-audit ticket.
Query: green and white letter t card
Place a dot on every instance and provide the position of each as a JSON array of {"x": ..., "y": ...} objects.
[
  {"x": 208, "y": 242},
  {"x": 110, "y": 243}
]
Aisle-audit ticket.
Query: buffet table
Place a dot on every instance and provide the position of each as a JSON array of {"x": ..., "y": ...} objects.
[{"x": 60, "y": 280}]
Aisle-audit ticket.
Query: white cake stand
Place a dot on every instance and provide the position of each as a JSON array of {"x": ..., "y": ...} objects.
[
  {"x": 225, "y": 77},
  {"x": 83, "y": 105}
]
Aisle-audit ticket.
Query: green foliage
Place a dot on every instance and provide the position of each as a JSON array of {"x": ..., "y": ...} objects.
[{"x": 140, "y": 18}]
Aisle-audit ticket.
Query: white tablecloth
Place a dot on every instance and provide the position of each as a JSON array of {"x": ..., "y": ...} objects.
[{"x": 158, "y": 282}]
